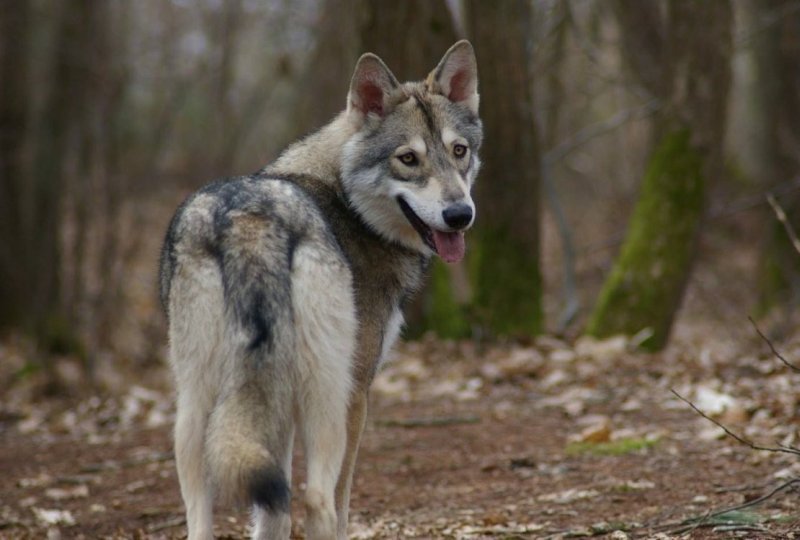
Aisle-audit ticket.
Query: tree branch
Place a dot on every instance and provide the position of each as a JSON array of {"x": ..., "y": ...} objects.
[
  {"x": 771, "y": 346},
  {"x": 781, "y": 215},
  {"x": 693, "y": 523},
  {"x": 746, "y": 442}
]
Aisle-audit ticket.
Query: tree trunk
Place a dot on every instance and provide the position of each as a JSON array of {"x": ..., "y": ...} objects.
[
  {"x": 411, "y": 37},
  {"x": 15, "y": 21},
  {"x": 778, "y": 56},
  {"x": 31, "y": 256},
  {"x": 646, "y": 285},
  {"x": 226, "y": 23},
  {"x": 324, "y": 83},
  {"x": 505, "y": 245}
]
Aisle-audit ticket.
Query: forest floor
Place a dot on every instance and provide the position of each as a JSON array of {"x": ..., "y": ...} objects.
[{"x": 544, "y": 440}]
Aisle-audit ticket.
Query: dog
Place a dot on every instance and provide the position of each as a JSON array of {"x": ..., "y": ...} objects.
[{"x": 284, "y": 291}]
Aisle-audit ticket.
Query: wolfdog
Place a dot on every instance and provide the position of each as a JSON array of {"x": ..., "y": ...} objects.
[{"x": 284, "y": 290}]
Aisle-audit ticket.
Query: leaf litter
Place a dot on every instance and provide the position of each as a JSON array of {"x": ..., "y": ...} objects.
[{"x": 547, "y": 439}]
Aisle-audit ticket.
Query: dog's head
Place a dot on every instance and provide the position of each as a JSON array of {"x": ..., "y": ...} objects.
[{"x": 410, "y": 166}]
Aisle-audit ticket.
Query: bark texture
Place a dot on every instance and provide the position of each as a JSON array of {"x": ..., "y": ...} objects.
[
  {"x": 507, "y": 282},
  {"x": 647, "y": 282},
  {"x": 777, "y": 60}
]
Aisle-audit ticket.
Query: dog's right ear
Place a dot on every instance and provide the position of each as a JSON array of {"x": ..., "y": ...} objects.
[{"x": 371, "y": 84}]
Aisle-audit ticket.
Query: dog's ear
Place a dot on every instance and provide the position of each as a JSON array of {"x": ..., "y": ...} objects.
[
  {"x": 456, "y": 76},
  {"x": 371, "y": 84}
]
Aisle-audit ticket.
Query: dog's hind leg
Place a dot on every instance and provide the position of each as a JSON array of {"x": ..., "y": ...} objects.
[
  {"x": 325, "y": 326},
  {"x": 190, "y": 429},
  {"x": 356, "y": 418},
  {"x": 325, "y": 440},
  {"x": 195, "y": 310}
]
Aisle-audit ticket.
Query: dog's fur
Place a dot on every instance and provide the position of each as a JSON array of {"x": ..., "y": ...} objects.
[{"x": 284, "y": 291}]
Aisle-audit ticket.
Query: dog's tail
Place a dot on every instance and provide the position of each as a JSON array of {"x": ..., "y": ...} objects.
[{"x": 244, "y": 458}]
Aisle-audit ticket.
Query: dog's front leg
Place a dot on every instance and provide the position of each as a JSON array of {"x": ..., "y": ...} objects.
[{"x": 356, "y": 419}]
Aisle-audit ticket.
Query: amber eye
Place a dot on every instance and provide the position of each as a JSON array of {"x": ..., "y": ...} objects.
[
  {"x": 459, "y": 150},
  {"x": 409, "y": 159}
]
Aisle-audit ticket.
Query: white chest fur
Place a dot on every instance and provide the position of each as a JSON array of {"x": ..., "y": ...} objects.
[{"x": 390, "y": 335}]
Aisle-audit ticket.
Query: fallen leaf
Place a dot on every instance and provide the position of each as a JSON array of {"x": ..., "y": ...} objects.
[
  {"x": 603, "y": 350},
  {"x": 63, "y": 494},
  {"x": 598, "y": 432},
  {"x": 54, "y": 517},
  {"x": 568, "y": 496},
  {"x": 712, "y": 402}
]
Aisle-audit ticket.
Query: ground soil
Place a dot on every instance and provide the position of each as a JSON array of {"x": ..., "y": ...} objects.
[{"x": 461, "y": 443}]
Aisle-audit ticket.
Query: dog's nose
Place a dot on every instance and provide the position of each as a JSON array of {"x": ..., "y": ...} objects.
[{"x": 458, "y": 215}]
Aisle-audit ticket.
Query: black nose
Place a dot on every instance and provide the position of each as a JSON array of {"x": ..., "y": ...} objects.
[{"x": 457, "y": 216}]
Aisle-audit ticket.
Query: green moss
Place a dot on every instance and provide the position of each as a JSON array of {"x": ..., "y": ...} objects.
[
  {"x": 780, "y": 267},
  {"x": 445, "y": 315},
  {"x": 772, "y": 286},
  {"x": 59, "y": 336},
  {"x": 613, "y": 448},
  {"x": 645, "y": 286},
  {"x": 508, "y": 289}
]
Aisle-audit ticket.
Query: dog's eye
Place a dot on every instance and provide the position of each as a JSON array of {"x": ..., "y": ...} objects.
[
  {"x": 459, "y": 150},
  {"x": 409, "y": 159}
]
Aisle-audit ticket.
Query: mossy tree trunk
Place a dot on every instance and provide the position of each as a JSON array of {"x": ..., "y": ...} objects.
[
  {"x": 777, "y": 60},
  {"x": 646, "y": 284},
  {"x": 505, "y": 245}
]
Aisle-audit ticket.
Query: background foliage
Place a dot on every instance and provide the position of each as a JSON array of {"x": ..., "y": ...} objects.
[{"x": 111, "y": 112}]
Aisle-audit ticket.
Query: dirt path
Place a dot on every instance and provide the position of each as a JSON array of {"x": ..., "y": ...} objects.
[{"x": 508, "y": 443}]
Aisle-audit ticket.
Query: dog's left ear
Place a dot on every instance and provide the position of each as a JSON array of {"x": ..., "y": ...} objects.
[{"x": 456, "y": 76}]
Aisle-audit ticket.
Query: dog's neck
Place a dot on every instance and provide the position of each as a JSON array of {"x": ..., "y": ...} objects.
[{"x": 319, "y": 154}]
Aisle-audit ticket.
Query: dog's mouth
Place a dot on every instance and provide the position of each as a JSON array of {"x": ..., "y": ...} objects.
[{"x": 449, "y": 246}]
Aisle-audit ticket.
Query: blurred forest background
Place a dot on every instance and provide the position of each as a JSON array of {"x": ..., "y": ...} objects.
[{"x": 630, "y": 148}]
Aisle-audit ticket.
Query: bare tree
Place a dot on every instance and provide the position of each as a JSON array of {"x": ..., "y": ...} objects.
[
  {"x": 691, "y": 42},
  {"x": 326, "y": 77},
  {"x": 777, "y": 51},
  {"x": 507, "y": 292},
  {"x": 35, "y": 285},
  {"x": 15, "y": 24},
  {"x": 408, "y": 36}
]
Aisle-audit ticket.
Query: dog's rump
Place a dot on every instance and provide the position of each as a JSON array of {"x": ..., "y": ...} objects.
[{"x": 246, "y": 311}]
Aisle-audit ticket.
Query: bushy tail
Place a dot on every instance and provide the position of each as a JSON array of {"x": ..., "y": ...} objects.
[{"x": 241, "y": 453}]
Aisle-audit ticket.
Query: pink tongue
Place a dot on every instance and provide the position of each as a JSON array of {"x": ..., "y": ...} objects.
[{"x": 449, "y": 245}]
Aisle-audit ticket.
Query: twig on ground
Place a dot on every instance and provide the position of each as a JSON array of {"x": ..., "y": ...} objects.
[
  {"x": 772, "y": 347},
  {"x": 703, "y": 521},
  {"x": 124, "y": 464},
  {"x": 168, "y": 524},
  {"x": 746, "y": 442},
  {"x": 781, "y": 215},
  {"x": 743, "y": 487},
  {"x": 429, "y": 422}
]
